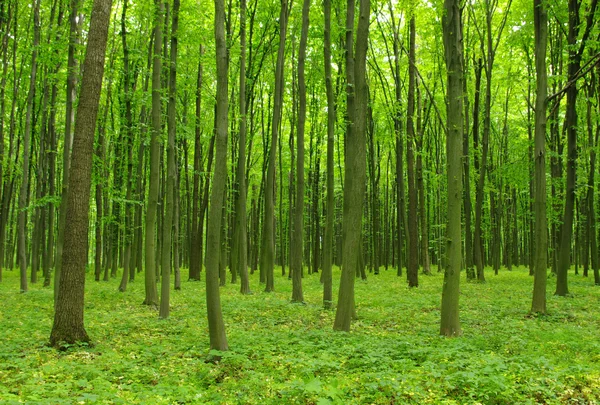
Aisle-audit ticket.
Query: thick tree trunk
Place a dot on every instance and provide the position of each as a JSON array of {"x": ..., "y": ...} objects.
[
  {"x": 452, "y": 28},
  {"x": 574, "y": 65},
  {"x": 71, "y": 96},
  {"x": 68, "y": 324},
  {"x": 355, "y": 168}
]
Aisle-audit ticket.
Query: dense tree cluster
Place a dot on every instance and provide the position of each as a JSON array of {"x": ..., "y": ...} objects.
[{"x": 240, "y": 136}]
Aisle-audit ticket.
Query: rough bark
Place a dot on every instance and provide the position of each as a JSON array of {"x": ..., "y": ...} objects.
[
  {"x": 68, "y": 324},
  {"x": 71, "y": 96}
]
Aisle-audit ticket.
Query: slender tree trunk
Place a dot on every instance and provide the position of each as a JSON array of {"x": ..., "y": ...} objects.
[
  {"x": 412, "y": 271},
  {"x": 330, "y": 209},
  {"x": 68, "y": 324},
  {"x": 151, "y": 298},
  {"x": 167, "y": 236},
  {"x": 216, "y": 327},
  {"x": 268, "y": 237},
  {"x": 297, "y": 236},
  {"x": 421, "y": 191},
  {"x": 23, "y": 193},
  {"x": 241, "y": 219},
  {"x": 127, "y": 87}
]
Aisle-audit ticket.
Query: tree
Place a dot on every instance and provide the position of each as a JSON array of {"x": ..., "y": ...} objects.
[
  {"x": 268, "y": 237},
  {"x": 68, "y": 324},
  {"x": 452, "y": 28},
  {"x": 216, "y": 327},
  {"x": 71, "y": 96},
  {"x": 355, "y": 168},
  {"x": 171, "y": 171},
  {"x": 412, "y": 272},
  {"x": 241, "y": 218},
  {"x": 538, "y": 304},
  {"x": 297, "y": 235},
  {"x": 151, "y": 298},
  {"x": 23, "y": 193},
  {"x": 331, "y": 115},
  {"x": 571, "y": 121}
]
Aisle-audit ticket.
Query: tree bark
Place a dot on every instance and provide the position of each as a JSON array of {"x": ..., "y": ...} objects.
[
  {"x": 331, "y": 117},
  {"x": 68, "y": 324},
  {"x": 412, "y": 271},
  {"x": 355, "y": 168},
  {"x": 216, "y": 327},
  {"x": 538, "y": 303},
  {"x": 151, "y": 297},
  {"x": 571, "y": 122},
  {"x": 297, "y": 236},
  {"x": 71, "y": 96},
  {"x": 167, "y": 236},
  {"x": 24, "y": 191},
  {"x": 452, "y": 28},
  {"x": 268, "y": 237}
]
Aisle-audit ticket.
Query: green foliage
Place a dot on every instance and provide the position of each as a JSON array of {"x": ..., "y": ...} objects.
[{"x": 285, "y": 353}]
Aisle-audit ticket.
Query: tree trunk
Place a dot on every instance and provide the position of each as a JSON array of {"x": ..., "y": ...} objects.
[
  {"x": 71, "y": 96},
  {"x": 355, "y": 169},
  {"x": 151, "y": 297},
  {"x": 453, "y": 47},
  {"x": 297, "y": 236},
  {"x": 68, "y": 313},
  {"x": 196, "y": 239},
  {"x": 216, "y": 327},
  {"x": 268, "y": 237},
  {"x": 23, "y": 193},
  {"x": 412, "y": 271},
  {"x": 331, "y": 117},
  {"x": 167, "y": 236},
  {"x": 571, "y": 122},
  {"x": 241, "y": 219}
]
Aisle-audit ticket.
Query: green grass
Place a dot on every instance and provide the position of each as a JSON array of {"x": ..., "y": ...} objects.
[{"x": 283, "y": 353}]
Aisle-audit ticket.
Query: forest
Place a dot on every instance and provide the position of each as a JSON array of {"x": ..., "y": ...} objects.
[{"x": 310, "y": 202}]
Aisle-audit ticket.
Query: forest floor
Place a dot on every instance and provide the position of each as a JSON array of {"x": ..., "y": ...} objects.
[{"x": 283, "y": 353}]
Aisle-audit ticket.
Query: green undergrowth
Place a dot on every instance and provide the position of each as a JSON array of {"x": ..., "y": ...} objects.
[{"x": 284, "y": 353}]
